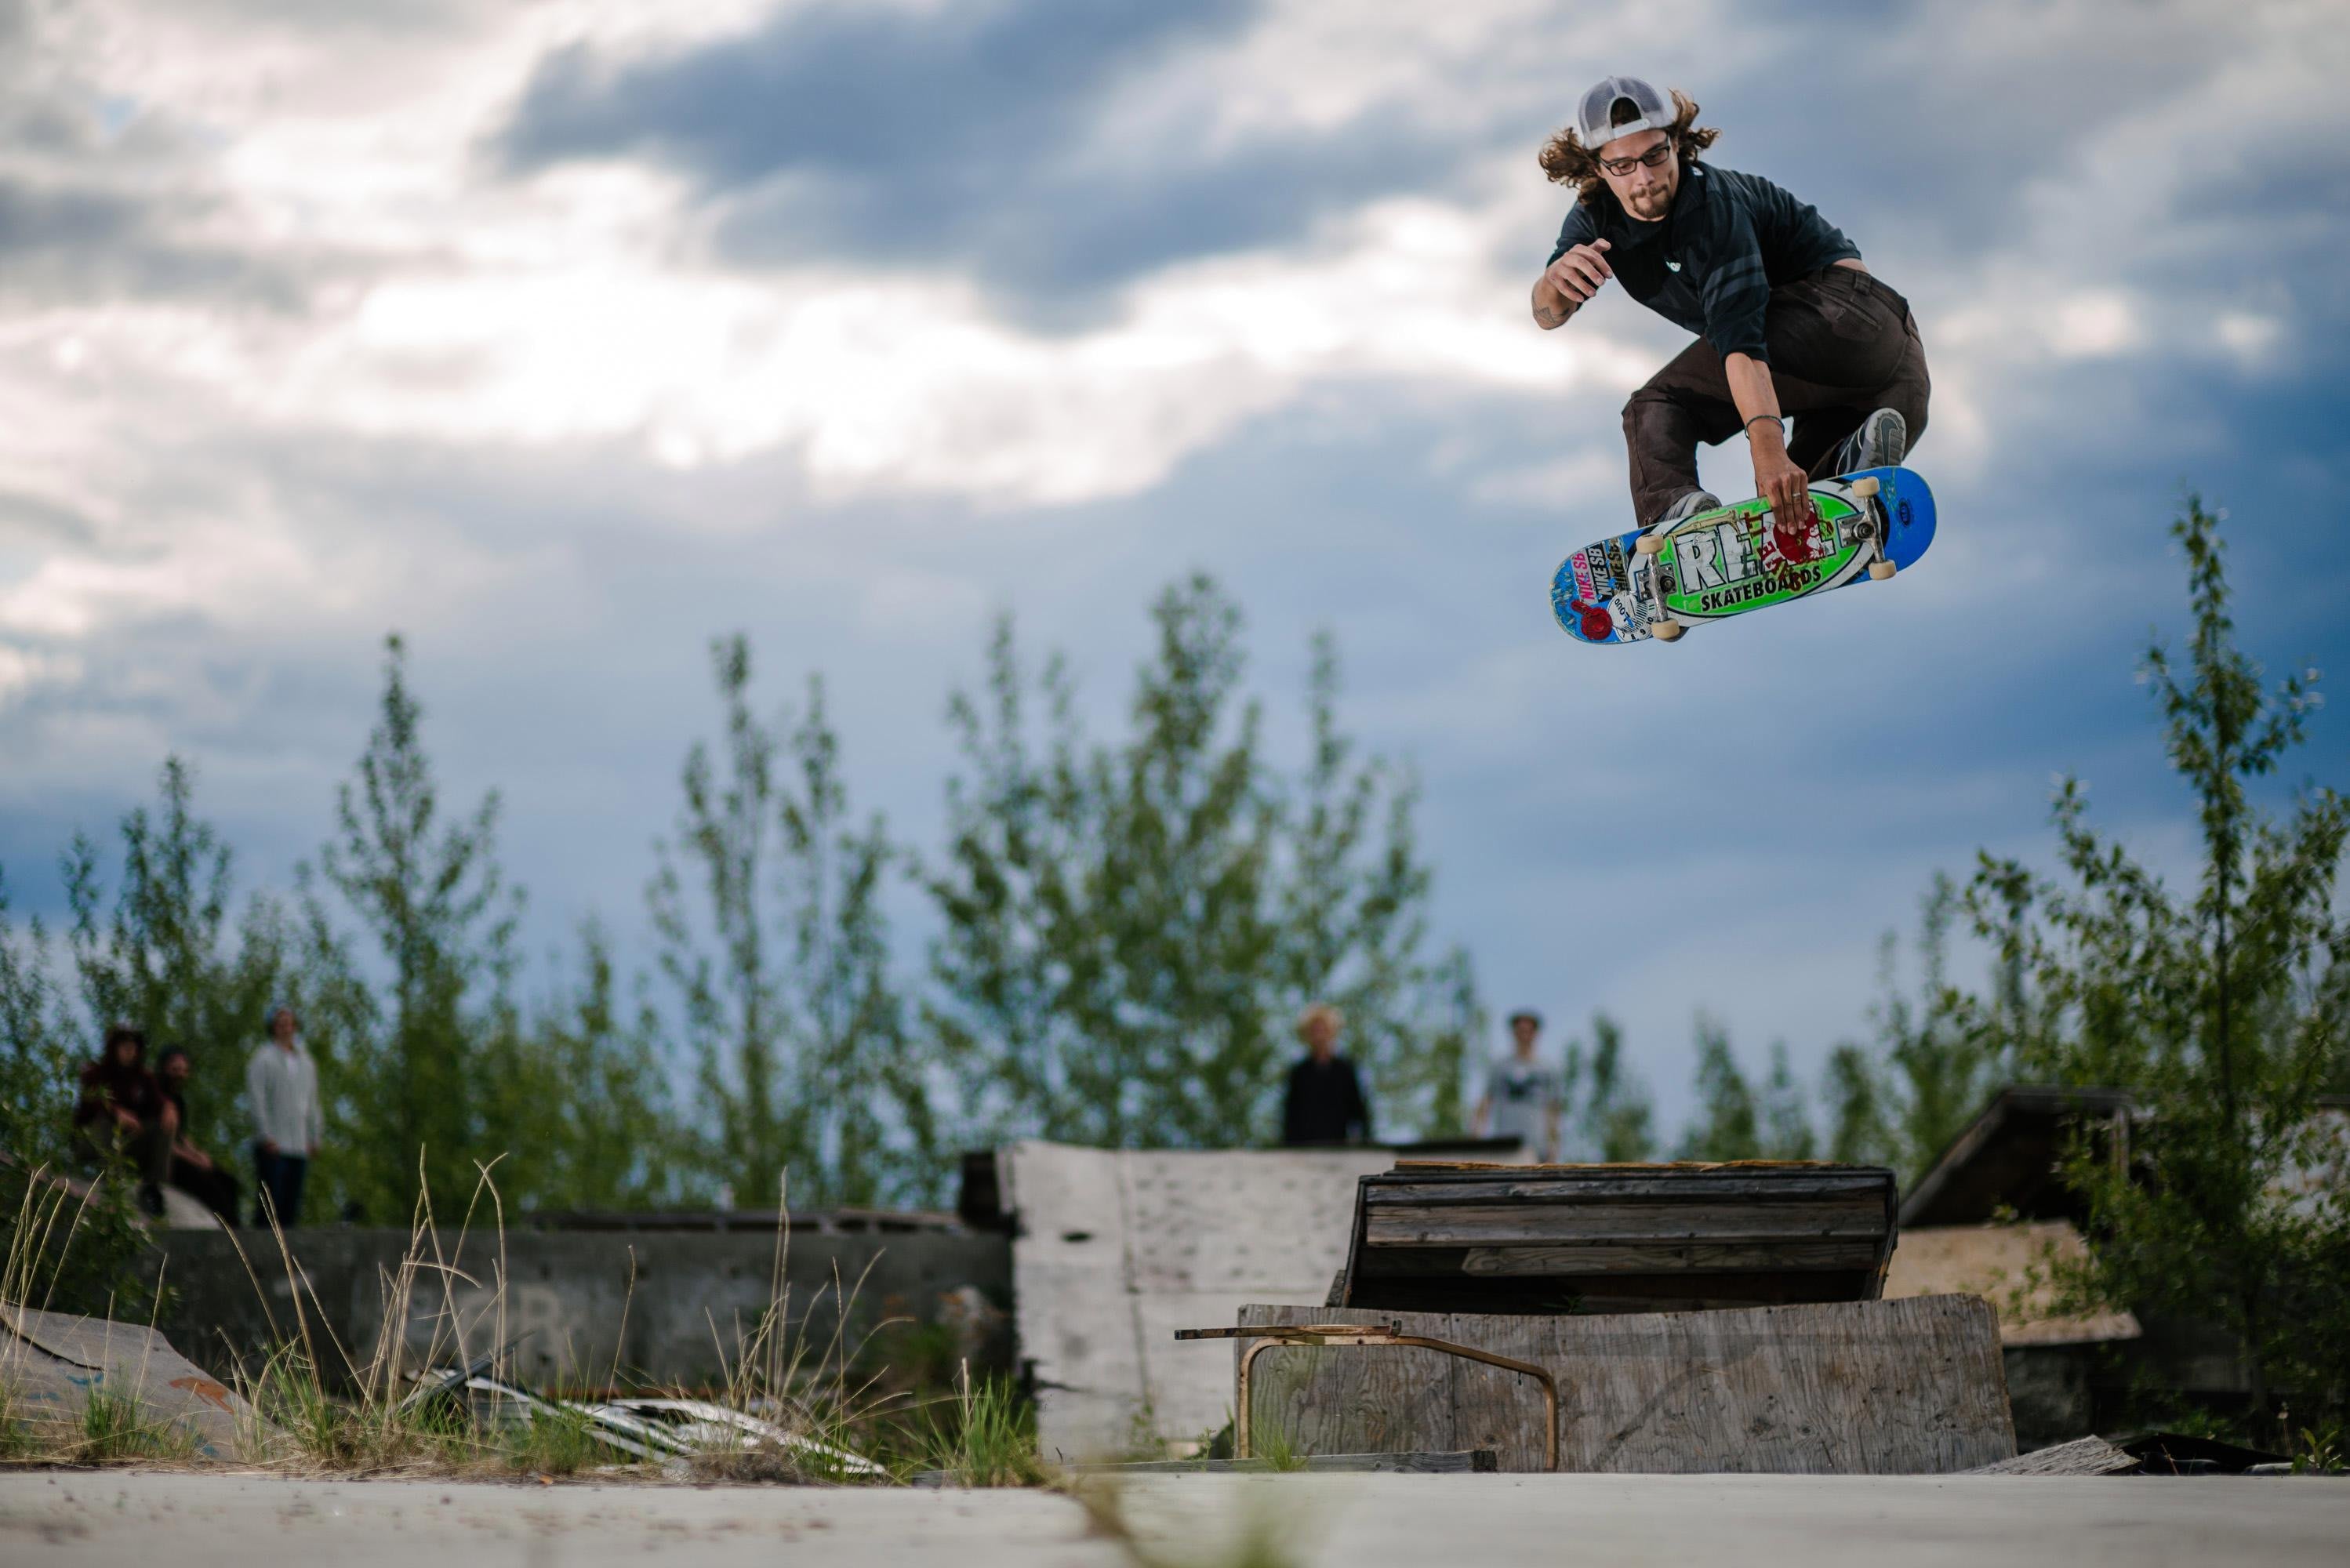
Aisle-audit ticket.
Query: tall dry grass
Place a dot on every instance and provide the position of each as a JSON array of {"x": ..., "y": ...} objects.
[{"x": 439, "y": 1391}]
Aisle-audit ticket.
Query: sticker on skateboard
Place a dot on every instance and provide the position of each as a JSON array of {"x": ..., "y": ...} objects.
[{"x": 1733, "y": 559}]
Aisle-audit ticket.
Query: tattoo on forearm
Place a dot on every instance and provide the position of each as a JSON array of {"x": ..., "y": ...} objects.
[{"x": 1550, "y": 315}]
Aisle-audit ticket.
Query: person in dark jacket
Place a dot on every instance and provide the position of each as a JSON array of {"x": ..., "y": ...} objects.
[
  {"x": 1789, "y": 318},
  {"x": 193, "y": 1171},
  {"x": 122, "y": 1111},
  {"x": 1324, "y": 1102}
]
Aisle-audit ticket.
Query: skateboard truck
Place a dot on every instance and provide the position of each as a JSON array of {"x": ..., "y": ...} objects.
[
  {"x": 1869, "y": 525},
  {"x": 1266, "y": 1336}
]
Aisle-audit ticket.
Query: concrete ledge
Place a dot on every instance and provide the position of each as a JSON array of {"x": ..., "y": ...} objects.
[{"x": 639, "y": 1308}]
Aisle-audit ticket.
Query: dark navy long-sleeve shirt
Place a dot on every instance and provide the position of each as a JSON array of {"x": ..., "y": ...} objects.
[
  {"x": 1325, "y": 1103},
  {"x": 1709, "y": 263}
]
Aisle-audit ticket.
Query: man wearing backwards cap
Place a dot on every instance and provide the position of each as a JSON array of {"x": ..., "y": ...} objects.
[{"x": 1789, "y": 320}]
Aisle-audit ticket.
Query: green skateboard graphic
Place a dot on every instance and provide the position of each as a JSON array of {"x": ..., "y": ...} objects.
[{"x": 1735, "y": 559}]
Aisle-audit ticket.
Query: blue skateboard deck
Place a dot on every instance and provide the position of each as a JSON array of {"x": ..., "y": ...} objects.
[{"x": 1735, "y": 559}]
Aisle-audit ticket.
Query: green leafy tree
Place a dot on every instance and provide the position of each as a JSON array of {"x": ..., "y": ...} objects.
[
  {"x": 63, "y": 1253},
  {"x": 1352, "y": 918},
  {"x": 163, "y": 954},
  {"x": 65, "y": 1250},
  {"x": 1786, "y": 1113},
  {"x": 1936, "y": 1057},
  {"x": 1128, "y": 928},
  {"x": 590, "y": 1108},
  {"x": 1738, "y": 1121},
  {"x": 1859, "y": 1129},
  {"x": 1730, "y": 1124},
  {"x": 2221, "y": 1007},
  {"x": 42, "y": 1045},
  {"x": 767, "y": 905},
  {"x": 1608, "y": 1108},
  {"x": 412, "y": 1019}
]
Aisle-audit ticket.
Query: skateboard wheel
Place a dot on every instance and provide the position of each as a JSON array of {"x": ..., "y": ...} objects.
[
  {"x": 1880, "y": 570},
  {"x": 1865, "y": 486},
  {"x": 1666, "y": 629},
  {"x": 1647, "y": 545}
]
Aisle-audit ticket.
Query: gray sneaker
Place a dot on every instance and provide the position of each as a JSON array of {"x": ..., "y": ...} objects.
[
  {"x": 1690, "y": 503},
  {"x": 1881, "y": 442}
]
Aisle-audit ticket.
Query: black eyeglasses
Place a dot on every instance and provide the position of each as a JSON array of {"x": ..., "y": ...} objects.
[{"x": 1654, "y": 158}]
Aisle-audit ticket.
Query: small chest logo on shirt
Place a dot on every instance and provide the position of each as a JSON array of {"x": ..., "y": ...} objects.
[{"x": 1671, "y": 264}]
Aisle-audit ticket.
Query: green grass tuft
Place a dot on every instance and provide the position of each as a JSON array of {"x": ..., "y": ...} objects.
[{"x": 988, "y": 1437}]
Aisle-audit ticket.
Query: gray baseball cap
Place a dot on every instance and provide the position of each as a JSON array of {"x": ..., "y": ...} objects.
[{"x": 1591, "y": 116}]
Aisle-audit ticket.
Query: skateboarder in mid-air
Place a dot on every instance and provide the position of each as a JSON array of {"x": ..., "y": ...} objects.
[{"x": 1790, "y": 322}]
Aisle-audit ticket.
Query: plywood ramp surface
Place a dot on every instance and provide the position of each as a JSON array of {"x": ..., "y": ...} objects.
[
  {"x": 2011, "y": 1266},
  {"x": 1114, "y": 1250},
  {"x": 1884, "y": 1388}
]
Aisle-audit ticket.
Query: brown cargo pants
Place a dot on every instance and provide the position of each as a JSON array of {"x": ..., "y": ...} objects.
[{"x": 1842, "y": 345}]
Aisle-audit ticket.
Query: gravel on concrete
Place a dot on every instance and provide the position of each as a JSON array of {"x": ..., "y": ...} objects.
[{"x": 68, "y": 1519}]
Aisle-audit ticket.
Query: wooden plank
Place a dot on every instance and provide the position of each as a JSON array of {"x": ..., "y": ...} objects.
[
  {"x": 1912, "y": 1386},
  {"x": 1669, "y": 1258},
  {"x": 2081, "y": 1457},
  {"x": 1530, "y": 1223},
  {"x": 1399, "y": 1188}
]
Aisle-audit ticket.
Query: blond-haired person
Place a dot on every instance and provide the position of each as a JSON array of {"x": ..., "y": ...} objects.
[{"x": 1325, "y": 1102}]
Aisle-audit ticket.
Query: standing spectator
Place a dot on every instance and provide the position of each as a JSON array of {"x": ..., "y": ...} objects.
[
  {"x": 193, "y": 1171},
  {"x": 1325, "y": 1102},
  {"x": 123, "y": 1111},
  {"x": 1524, "y": 1096},
  {"x": 281, "y": 1081}
]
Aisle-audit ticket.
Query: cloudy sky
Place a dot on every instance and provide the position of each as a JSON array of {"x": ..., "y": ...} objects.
[{"x": 562, "y": 337}]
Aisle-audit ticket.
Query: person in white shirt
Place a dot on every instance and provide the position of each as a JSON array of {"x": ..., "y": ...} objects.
[
  {"x": 1522, "y": 1095},
  {"x": 281, "y": 1083}
]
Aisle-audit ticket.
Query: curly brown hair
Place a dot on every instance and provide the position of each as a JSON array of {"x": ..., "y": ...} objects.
[{"x": 1568, "y": 163}]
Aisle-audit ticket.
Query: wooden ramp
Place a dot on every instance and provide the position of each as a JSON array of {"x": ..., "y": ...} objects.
[
  {"x": 1114, "y": 1250},
  {"x": 1431, "y": 1237},
  {"x": 1902, "y": 1388}
]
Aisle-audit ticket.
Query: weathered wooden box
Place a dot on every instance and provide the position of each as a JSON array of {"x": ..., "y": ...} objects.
[
  {"x": 1900, "y": 1387},
  {"x": 1618, "y": 1238}
]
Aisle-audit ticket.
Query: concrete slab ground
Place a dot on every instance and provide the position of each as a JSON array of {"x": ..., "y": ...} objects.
[{"x": 69, "y": 1519}]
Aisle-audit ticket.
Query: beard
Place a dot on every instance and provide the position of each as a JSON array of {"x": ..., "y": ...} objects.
[{"x": 1650, "y": 205}]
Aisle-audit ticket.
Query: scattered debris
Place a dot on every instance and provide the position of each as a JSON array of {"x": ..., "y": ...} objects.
[
  {"x": 2081, "y": 1457},
  {"x": 698, "y": 1426},
  {"x": 645, "y": 1429},
  {"x": 2184, "y": 1454},
  {"x": 2149, "y": 1454},
  {"x": 432, "y": 1385}
]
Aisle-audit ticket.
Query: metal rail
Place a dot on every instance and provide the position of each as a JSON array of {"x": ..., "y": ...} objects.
[{"x": 1268, "y": 1335}]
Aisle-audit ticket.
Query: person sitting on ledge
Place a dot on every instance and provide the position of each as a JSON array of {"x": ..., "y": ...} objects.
[
  {"x": 122, "y": 1113},
  {"x": 193, "y": 1171}
]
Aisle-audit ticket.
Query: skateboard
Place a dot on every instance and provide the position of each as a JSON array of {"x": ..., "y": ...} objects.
[{"x": 1658, "y": 583}]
